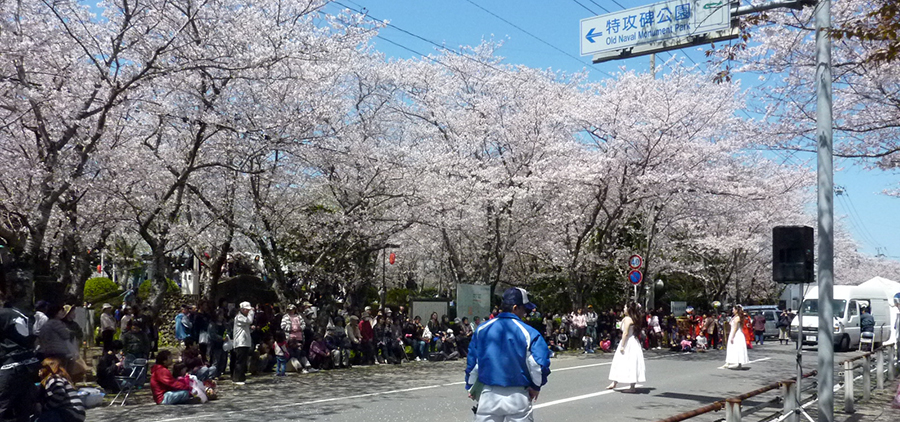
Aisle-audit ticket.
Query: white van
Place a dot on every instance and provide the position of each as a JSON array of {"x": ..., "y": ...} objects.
[{"x": 848, "y": 301}]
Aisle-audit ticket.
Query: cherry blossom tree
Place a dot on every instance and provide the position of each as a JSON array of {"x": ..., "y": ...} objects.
[
  {"x": 782, "y": 52},
  {"x": 66, "y": 76}
]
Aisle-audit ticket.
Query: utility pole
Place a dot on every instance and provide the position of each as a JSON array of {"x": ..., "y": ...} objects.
[{"x": 825, "y": 177}]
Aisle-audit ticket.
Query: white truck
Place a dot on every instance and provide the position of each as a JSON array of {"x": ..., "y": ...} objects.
[{"x": 847, "y": 306}]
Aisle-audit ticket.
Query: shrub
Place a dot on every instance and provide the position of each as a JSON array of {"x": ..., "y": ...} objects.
[
  {"x": 144, "y": 289},
  {"x": 397, "y": 297},
  {"x": 99, "y": 288}
]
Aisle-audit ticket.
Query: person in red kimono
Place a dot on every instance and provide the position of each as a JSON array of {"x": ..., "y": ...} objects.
[{"x": 747, "y": 328}]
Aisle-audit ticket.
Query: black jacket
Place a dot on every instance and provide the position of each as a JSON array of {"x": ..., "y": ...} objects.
[{"x": 16, "y": 337}]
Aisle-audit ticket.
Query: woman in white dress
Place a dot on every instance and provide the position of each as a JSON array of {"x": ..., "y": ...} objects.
[
  {"x": 628, "y": 363},
  {"x": 736, "y": 354}
]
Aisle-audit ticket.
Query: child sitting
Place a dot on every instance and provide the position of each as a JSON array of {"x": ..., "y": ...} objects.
[
  {"x": 701, "y": 343},
  {"x": 587, "y": 343},
  {"x": 686, "y": 345},
  {"x": 562, "y": 339}
]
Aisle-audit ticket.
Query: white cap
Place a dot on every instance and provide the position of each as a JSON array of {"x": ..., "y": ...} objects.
[{"x": 246, "y": 305}]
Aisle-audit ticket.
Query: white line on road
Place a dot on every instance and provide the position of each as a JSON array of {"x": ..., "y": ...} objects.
[
  {"x": 759, "y": 360},
  {"x": 585, "y": 396},
  {"x": 579, "y": 367},
  {"x": 405, "y": 390}
]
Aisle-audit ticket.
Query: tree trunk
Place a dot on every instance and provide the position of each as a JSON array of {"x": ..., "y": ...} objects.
[
  {"x": 215, "y": 270},
  {"x": 274, "y": 272}
]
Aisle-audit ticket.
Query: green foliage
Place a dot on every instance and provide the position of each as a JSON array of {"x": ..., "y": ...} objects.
[
  {"x": 398, "y": 297},
  {"x": 99, "y": 288},
  {"x": 145, "y": 288},
  {"x": 428, "y": 292}
]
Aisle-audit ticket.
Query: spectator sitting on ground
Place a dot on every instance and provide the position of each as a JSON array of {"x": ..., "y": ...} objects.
[
  {"x": 354, "y": 338},
  {"x": 449, "y": 344},
  {"x": 701, "y": 343},
  {"x": 60, "y": 400},
  {"x": 264, "y": 356},
  {"x": 195, "y": 361},
  {"x": 686, "y": 345},
  {"x": 166, "y": 388},
  {"x": 553, "y": 348},
  {"x": 337, "y": 342},
  {"x": 319, "y": 355},
  {"x": 562, "y": 339},
  {"x": 110, "y": 366}
]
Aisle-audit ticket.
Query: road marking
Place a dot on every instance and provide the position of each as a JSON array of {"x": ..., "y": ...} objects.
[
  {"x": 307, "y": 403},
  {"x": 581, "y": 366},
  {"x": 759, "y": 360},
  {"x": 582, "y": 397}
]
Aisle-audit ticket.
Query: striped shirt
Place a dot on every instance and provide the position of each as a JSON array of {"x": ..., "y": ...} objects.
[{"x": 59, "y": 394}]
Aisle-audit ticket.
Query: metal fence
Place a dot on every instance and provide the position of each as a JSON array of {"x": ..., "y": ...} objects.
[{"x": 857, "y": 369}]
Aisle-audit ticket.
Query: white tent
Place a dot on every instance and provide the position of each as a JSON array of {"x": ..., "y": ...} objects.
[{"x": 890, "y": 289}]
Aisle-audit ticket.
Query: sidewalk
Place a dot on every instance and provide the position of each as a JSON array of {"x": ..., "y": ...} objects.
[{"x": 877, "y": 409}]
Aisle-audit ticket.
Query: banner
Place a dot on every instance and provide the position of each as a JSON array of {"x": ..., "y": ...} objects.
[
  {"x": 678, "y": 308},
  {"x": 473, "y": 300}
]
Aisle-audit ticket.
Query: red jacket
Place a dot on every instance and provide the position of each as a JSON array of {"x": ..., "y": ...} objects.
[
  {"x": 366, "y": 331},
  {"x": 162, "y": 381}
]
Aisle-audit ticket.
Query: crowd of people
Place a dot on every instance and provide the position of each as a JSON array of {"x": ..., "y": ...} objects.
[
  {"x": 587, "y": 331},
  {"x": 302, "y": 337},
  {"x": 234, "y": 340}
]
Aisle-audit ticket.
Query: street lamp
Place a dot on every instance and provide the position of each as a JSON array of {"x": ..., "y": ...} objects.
[{"x": 651, "y": 294}]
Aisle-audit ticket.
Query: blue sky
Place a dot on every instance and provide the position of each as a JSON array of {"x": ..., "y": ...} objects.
[{"x": 545, "y": 34}]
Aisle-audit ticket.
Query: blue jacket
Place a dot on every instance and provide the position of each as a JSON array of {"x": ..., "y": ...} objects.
[
  {"x": 507, "y": 352},
  {"x": 180, "y": 332}
]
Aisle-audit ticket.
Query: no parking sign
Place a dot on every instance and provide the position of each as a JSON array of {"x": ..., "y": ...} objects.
[{"x": 635, "y": 277}]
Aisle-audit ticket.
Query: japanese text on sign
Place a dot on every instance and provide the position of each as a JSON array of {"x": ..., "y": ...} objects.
[{"x": 653, "y": 23}]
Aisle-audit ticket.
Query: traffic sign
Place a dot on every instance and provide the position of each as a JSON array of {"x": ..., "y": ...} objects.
[
  {"x": 635, "y": 277},
  {"x": 658, "y": 23},
  {"x": 635, "y": 261}
]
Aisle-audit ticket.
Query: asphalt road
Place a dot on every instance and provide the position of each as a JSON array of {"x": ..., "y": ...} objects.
[{"x": 434, "y": 391}]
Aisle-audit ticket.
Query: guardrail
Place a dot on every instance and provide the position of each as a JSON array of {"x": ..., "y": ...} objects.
[
  {"x": 732, "y": 405},
  {"x": 850, "y": 365}
]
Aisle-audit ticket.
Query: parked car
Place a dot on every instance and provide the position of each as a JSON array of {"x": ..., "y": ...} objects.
[{"x": 771, "y": 313}]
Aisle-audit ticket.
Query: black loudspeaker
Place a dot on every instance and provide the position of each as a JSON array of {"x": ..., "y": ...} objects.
[{"x": 792, "y": 254}]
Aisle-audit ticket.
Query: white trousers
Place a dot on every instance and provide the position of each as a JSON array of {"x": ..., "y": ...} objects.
[{"x": 504, "y": 404}]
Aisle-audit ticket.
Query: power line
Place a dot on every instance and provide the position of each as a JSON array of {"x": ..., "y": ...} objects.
[
  {"x": 585, "y": 7},
  {"x": 860, "y": 219},
  {"x": 855, "y": 219},
  {"x": 618, "y": 4},
  {"x": 601, "y": 7},
  {"x": 535, "y": 37},
  {"x": 440, "y": 46}
]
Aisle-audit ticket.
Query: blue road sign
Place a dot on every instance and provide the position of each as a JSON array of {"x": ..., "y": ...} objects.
[{"x": 635, "y": 277}]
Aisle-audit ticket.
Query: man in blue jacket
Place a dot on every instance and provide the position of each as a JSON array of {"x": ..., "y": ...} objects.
[{"x": 510, "y": 359}]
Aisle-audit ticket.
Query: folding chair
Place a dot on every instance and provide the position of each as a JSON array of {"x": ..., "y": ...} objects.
[
  {"x": 133, "y": 380},
  {"x": 866, "y": 338}
]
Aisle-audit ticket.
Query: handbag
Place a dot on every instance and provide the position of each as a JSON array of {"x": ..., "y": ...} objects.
[
  {"x": 77, "y": 367},
  {"x": 228, "y": 345}
]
